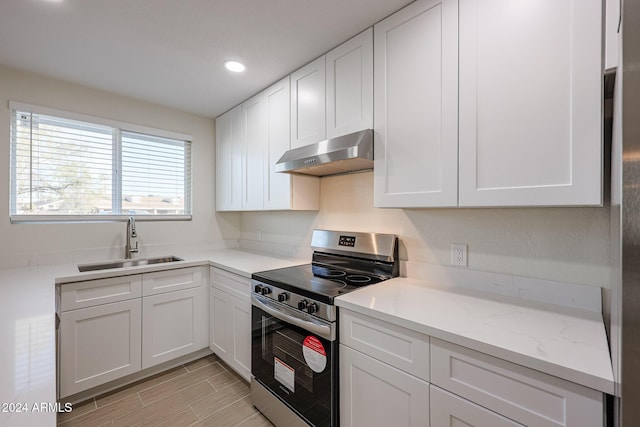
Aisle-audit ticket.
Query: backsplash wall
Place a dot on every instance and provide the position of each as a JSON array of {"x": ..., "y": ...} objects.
[{"x": 563, "y": 244}]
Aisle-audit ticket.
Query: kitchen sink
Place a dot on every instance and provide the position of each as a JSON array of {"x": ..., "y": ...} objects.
[{"x": 122, "y": 263}]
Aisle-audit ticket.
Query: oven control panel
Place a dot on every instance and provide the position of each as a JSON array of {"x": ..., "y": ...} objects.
[
  {"x": 293, "y": 300},
  {"x": 347, "y": 241}
]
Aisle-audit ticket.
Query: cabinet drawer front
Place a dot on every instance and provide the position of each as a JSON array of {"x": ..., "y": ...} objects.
[
  {"x": 522, "y": 394},
  {"x": 449, "y": 410},
  {"x": 102, "y": 291},
  {"x": 402, "y": 348},
  {"x": 233, "y": 284},
  {"x": 171, "y": 280}
]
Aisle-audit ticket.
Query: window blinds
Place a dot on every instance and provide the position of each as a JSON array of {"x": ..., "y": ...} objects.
[{"x": 62, "y": 167}]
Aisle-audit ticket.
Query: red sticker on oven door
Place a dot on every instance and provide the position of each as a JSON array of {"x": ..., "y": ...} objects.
[{"x": 314, "y": 354}]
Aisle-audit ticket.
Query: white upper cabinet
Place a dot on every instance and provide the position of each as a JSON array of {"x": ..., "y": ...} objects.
[
  {"x": 229, "y": 152},
  {"x": 282, "y": 190},
  {"x": 254, "y": 122},
  {"x": 308, "y": 104},
  {"x": 349, "y": 91},
  {"x": 277, "y": 186},
  {"x": 530, "y": 103},
  {"x": 416, "y": 106},
  {"x": 251, "y": 139}
]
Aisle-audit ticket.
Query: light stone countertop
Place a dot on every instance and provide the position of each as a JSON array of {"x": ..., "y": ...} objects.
[
  {"x": 567, "y": 343},
  {"x": 564, "y": 342},
  {"x": 27, "y": 325}
]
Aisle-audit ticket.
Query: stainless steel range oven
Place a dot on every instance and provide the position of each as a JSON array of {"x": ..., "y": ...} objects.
[{"x": 294, "y": 362}]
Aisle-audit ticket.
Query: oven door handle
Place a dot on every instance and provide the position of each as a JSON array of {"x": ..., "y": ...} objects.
[{"x": 327, "y": 332}]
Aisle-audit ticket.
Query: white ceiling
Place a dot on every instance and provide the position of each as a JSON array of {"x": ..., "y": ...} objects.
[{"x": 171, "y": 52}]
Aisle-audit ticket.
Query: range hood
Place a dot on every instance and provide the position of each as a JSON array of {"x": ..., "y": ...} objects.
[{"x": 344, "y": 154}]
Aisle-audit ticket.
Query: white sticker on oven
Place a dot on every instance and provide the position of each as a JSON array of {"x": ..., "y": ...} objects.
[
  {"x": 314, "y": 353},
  {"x": 284, "y": 374}
]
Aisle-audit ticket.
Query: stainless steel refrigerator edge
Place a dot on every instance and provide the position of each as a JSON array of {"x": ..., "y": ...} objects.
[{"x": 625, "y": 223}]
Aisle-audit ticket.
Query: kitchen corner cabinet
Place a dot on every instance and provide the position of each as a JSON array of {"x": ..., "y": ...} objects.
[
  {"x": 481, "y": 104},
  {"x": 229, "y": 151},
  {"x": 433, "y": 382},
  {"x": 531, "y": 103},
  {"x": 113, "y": 327},
  {"x": 308, "y": 104},
  {"x": 349, "y": 92},
  {"x": 415, "y": 106},
  {"x": 251, "y": 139},
  {"x": 230, "y": 320}
]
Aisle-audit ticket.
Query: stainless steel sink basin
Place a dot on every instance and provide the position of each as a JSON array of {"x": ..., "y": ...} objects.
[{"x": 122, "y": 263}]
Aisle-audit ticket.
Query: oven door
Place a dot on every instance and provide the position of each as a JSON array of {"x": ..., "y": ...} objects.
[{"x": 294, "y": 355}]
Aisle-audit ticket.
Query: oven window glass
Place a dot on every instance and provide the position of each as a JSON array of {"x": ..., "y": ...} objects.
[{"x": 297, "y": 366}]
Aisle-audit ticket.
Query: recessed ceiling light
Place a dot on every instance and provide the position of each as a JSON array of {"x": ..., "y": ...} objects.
[{"x": 235, "y": 66}]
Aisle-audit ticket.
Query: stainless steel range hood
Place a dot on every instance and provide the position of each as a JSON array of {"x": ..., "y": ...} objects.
[{"x": 344, "y": 154}]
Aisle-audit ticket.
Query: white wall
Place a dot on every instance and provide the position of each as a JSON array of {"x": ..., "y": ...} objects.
[
  {"x": 563, "y": 244},
  {"x": 39, "y": 243}
]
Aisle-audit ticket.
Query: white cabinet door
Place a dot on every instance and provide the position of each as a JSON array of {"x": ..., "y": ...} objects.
[
  {"x": 99, "y": 344},
  {"x": 229, "y": 160},
  {"x": 219, "y": 327},
  {"x": 350, "y": 86},
  {"x": 308, "y": 104},
  {"x": 241, "y": 337},
  {"x": 231, "y": 331},
  {"x": 530, "y": 102},
  {"x": 449, "y": 410},
  {"x": 172, "y": 326},
  {"x": 416, "y": 106},
  {"x": 374, "y": 394},
  {"x": 283, "y": 191},
  {"x": 277, "y": 186},
  {"x": 255, "y": 139}
]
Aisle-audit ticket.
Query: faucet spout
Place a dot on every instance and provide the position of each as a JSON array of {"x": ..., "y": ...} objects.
[{"x": 132, "y": 239}]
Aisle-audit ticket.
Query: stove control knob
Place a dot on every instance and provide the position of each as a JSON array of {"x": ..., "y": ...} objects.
[
  {"x": 265, "y": 290},
  {"x": 312, "y": 308},
  {"x": 283, "y": 296},
  {"x": 302, "y": 304},
  {"x": 258, "y": 289}
]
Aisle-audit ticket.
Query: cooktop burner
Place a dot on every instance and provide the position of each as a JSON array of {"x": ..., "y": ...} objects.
[{"x": 316, "y": 281}]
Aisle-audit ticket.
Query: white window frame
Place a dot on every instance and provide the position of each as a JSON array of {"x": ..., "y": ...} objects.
[{"x": 119, "y": 127}]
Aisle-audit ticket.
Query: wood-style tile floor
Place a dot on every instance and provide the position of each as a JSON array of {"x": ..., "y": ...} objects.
[{"x": 204, "y": 392}]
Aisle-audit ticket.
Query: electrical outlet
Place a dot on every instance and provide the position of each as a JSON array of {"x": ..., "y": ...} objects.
[
  {"x": 459, "y": 254},
  {"x": 259, "y": 235}
]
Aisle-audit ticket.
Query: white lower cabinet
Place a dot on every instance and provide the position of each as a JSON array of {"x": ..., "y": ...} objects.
[
  {"x": 373, "y": 393},
  {"x": 114, "y": 327},
  {"x": 98, "y": 344},
  {"x": 230, "y": 317},
  {"x": 171, "y": 325},
  {"x": 527, "y": 396},
  {"x": 383, "y": 382},
  {"x": 449, "y": 410}
]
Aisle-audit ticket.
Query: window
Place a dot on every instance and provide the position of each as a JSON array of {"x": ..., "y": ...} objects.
[{"x": 65, "y": 166}]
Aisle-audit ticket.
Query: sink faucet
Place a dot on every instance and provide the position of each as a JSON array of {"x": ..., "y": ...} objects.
[{"x": 132, "y": 239}]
